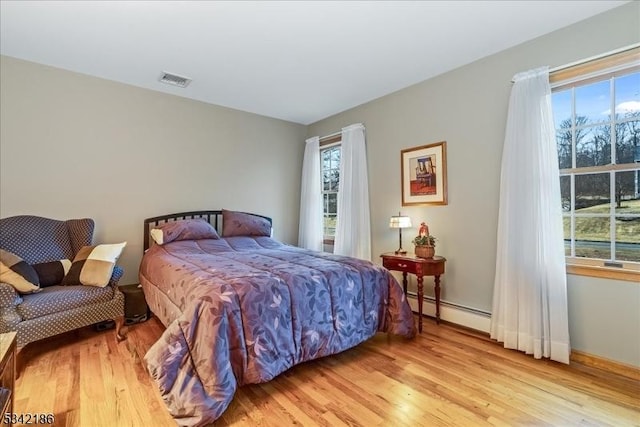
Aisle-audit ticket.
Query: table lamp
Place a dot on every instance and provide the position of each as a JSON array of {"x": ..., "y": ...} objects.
[{"x": 400, "y": 222}]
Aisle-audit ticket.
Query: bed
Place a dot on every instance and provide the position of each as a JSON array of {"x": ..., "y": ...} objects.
[{"x": 240, "y": 307}]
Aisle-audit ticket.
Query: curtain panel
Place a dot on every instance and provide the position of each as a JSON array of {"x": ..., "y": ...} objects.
[
  {"x": 310, "y": 233},
  {"x": 353, "y": 227},
  {"x": 530, "y": 289}
]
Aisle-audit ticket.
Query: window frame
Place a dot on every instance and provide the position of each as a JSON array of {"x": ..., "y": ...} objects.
[
  {"x": 328, "y": 143},
  {"x": 624, "y": 62}
]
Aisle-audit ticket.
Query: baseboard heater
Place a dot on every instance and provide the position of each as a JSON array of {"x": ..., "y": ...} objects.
[{"x": 461, "y": 307}]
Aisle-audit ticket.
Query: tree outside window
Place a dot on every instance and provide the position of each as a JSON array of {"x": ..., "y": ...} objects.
[
  {"x": 598, "y": 142},
  {"x": 330, "y": 170}
]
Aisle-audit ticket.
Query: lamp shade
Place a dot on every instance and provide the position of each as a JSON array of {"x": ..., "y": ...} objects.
[{"x": 400, "y": 222}]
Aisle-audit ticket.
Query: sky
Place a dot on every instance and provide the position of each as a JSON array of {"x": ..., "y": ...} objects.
[{"x": 594, "y": 100}]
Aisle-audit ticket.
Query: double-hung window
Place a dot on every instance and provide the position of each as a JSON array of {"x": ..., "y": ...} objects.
[
  {"x": 330, "y": 171},
  {"x": 596, "y": 111}
]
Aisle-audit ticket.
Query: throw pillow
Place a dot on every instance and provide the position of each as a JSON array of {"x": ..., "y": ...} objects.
[
  {"x": 52, "y": 273},
  {"x": 184, "y": 229},
  {"x": 93, "y": 265},
  {"x": 18, "y": 273},
  {"x": 244, "y": 224}
]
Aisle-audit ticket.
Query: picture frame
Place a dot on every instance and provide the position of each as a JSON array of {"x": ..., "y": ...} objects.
[{"x": 424, "y": 174}]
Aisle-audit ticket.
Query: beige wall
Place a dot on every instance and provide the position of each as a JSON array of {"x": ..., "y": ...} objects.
[
  {"x": 78, "y": 146},
  {"x": 467, "y": 108}
]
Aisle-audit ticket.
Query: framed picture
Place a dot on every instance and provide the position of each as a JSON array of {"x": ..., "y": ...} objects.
[{"x": 424, "y": 175}]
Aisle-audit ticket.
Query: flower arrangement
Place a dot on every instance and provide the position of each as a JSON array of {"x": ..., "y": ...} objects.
[
  {"x": 425, "y": 243},
  {"x": 424, "y": 238}
]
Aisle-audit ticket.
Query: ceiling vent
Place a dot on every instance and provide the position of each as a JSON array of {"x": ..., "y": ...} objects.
[{"x": 174, "y": 79}]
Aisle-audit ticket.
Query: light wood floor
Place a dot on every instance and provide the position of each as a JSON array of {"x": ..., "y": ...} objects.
[{"x": 446, "y": 376}]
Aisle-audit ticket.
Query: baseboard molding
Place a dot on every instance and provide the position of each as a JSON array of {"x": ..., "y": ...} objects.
[
  {"x": 453, "y": 313},
  {"x": 481, "y": 321},
  {"x": 605, "y": 364}
]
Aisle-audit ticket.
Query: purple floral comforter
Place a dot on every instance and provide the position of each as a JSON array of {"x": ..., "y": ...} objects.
[{"x": 253, "y": 308}]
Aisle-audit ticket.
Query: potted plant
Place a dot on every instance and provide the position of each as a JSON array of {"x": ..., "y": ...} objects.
[{"x": 425, "y": 243}]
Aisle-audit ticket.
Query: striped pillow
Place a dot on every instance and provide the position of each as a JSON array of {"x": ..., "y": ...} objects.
[{"x": 93, "y": 265}]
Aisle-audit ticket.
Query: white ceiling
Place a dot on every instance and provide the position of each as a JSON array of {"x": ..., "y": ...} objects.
[{"x": 298, "y": 61}]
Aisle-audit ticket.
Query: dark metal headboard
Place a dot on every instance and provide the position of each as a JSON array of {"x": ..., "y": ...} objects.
[{"x": 213, "y": 217}]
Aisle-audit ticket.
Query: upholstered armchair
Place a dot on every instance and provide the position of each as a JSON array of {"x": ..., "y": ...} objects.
[{"x": 54, "y": 309}]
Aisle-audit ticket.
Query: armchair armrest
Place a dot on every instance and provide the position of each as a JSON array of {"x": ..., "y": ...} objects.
[
  {"x": 116, "y": 275},
  {"x": 9, "y": 300},
  {"x": 9, "y": 297}
]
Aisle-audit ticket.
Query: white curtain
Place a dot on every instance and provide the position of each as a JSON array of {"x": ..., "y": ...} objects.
[
  {"x": 310, "y": 230},
  {"x": 353, "y": 228},
  {"x": 530, "y": 289}
]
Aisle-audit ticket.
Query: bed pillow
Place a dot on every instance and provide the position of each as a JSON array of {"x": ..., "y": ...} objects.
[
  {"x": 243, "y": 224},
  {"x": 184, "y": 229},
  {"x": 93, "y": 265},
  {"x": 52, "y": 273},
  {"x": 18, "y": 273}
]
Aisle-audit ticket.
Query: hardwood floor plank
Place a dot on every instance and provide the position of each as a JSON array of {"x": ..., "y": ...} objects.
[
  {"x": 333, "y": 420},
  {"x": 518, "y": 368},
  {"x": 445, "y": 377}
]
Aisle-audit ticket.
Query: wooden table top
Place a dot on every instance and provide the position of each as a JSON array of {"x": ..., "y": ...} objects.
[{"x": 413, "y": 257}]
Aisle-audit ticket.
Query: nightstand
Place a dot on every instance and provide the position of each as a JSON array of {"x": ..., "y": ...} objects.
[{"x": 409, "y": 263}]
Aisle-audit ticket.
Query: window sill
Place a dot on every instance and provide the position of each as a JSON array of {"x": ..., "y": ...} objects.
[{"x": 604, "y": 272}]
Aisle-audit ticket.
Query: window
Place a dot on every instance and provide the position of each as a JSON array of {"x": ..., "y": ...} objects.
[
  {"x": 597, "y": 122},
  {"x": 330, "y": 170}
]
